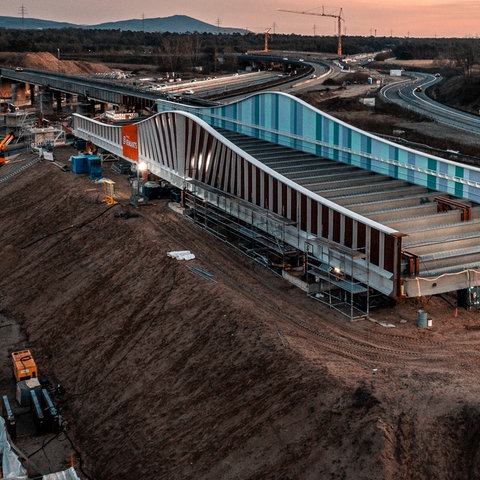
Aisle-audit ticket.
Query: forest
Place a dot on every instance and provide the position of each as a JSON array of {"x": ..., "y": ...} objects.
[{"x": 173, "y": 51}]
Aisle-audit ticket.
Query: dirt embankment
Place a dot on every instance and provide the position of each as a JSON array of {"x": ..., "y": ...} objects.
[
  {"x": 48, "y": 61},
  {"x": 173, "y": 376}
]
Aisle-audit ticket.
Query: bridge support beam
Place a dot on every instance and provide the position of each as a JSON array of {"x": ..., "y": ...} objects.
[
  {"x": 58, "y": 101},
  {"x": 45, "y": 101},
  {"x": 31, "y": 89}
]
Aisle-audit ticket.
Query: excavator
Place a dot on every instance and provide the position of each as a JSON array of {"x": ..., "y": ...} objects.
[{"x": 3, "y": 145}]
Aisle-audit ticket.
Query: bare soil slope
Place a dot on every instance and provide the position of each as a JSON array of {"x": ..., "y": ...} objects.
[
  {"x": 47, "y": 61},
  {"x": 172, "y": 376}
]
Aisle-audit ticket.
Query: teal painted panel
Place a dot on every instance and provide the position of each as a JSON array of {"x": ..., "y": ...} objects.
[
  {"x": 459, "y": 171},
  {"x": 319, "y": 134},
  {"x": 336, "y": 139},
  {"x": 459, "y": 190},
  {"x": 284, "y": 115},
  {"x": 274, "y": 111},
  {"x": 432, "y": 179}
]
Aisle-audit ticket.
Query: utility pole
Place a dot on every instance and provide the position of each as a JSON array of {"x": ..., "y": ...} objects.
[{"x": 23, "y": 12}]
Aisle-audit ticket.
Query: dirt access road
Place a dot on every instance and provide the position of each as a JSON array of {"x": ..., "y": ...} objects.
[{"x": 173, "y": 376}]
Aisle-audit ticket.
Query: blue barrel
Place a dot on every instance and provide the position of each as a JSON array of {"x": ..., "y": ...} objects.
[{"x": 422, "y": 320}]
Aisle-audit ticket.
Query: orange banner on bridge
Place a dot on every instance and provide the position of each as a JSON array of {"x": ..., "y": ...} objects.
[{"x": 130, "y": 141}]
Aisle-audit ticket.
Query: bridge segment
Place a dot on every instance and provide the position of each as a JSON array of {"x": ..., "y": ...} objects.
[{"x": 337, "y": 226}]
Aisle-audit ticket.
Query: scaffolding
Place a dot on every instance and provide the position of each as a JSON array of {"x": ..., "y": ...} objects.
[
  {"x": 330, "y": 276},
  {"x": 336, "y": 270}
]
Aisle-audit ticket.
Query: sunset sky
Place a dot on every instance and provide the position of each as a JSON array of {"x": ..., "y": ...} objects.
[{"x": 409, "y": 18}]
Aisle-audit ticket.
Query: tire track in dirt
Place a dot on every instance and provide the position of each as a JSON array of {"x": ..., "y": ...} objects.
[{"x": 365, "y": 348}]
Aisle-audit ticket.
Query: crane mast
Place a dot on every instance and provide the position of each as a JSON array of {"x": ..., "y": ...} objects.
[
  {"x": 267, "y": 34},
  {"x": 339, "y": 18}
]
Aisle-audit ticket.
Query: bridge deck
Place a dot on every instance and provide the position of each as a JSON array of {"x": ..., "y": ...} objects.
[{"x": 442, "y": 241}]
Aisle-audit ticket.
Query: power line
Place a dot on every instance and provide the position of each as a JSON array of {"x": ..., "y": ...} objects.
[{"x": 22, "y": 13}]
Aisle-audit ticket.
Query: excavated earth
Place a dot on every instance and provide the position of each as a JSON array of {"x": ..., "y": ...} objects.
[{"x": 171, "y": 375}]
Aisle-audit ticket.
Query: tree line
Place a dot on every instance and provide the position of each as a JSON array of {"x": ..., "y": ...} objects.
[{"x": 173, "y": 51}]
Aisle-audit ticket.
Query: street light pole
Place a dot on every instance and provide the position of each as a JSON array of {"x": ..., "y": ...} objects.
[{"x": 141, "y": 167}]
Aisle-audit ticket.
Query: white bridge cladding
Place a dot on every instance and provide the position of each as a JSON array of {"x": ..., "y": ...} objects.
[{"x": 181, "y": 145}]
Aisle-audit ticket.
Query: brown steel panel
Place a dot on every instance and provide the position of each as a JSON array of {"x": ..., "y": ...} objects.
[
  {"x": 274, "y": 207},
  {"x": 293, "y": 205},
  {"x": 389, "y": 249},
  {"x": 325, "y": 230},
  {"x": 241, "y": 177},
  {"x": 337, "y": 223},
  {"x": 314, "y": 218},
  {"x": 258, "y": 189},
  {"x": 249, "y": 182},
  {"x": 208, "y": 165},
  {"x": 188, "y": 132},
  {"x": 201, "y": 147},
  {"x": 374, "y": 246},
  {"x": 361, "y": 233},
  {"x": 164, "y": 143},
  {"x": 168, "y": 136},
  {"x": 348, "y": 241},
  {"x": 266, "y": 189},
  {"x": 284, "y": 200},
  {"x": 234, "y": 174},
  {"x": 303, "y": 212}
]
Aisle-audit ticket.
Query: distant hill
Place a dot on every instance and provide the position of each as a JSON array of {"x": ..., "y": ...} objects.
[
  {"x": 173, "y": 24},
  {"x": 32, "y": 23}
]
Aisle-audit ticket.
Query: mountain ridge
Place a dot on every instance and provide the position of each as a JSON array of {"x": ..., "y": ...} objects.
[{"x": 172, "y": 24}]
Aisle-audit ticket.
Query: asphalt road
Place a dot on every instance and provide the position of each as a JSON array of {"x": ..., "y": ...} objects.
[{"x": 410, "y": 93}]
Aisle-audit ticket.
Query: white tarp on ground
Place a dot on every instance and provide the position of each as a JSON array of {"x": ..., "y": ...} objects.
[
  {"x": 11, "y": 466},
  {"x": 181, "y": 255},
  {"x": 12, "y": 469},
  {"x": 69, "y": 474}
]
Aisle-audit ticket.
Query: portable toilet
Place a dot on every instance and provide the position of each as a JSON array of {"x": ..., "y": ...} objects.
[
  {"x": 79, "y": 163},
  {"x": 94, "y": 167}
]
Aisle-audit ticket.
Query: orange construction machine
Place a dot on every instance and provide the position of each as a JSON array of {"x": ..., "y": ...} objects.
[
  {"x": 3, "y": 145},
  {"x": 24, "y": 366}
]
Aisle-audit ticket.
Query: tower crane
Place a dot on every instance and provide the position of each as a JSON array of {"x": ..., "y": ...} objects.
[
  {"x": 338, "y": 16},
  {"x": 267, "y": 34}
]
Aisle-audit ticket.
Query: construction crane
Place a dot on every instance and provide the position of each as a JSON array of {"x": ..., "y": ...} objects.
[
  {"x": 267, "y": 34},
  {"x": 338, "y": 16}
]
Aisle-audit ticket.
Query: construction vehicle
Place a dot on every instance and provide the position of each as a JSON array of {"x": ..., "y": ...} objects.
[
  {"x": 24, "y": 366},
  {"x": 3, "y": 145}
]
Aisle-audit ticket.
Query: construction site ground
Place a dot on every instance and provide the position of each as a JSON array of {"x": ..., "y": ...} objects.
[{"x": 171, "y": 375}]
